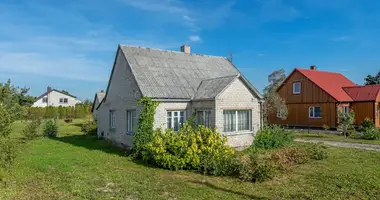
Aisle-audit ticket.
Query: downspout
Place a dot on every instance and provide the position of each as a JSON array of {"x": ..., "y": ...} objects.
[{"x": 261, "y": 114}]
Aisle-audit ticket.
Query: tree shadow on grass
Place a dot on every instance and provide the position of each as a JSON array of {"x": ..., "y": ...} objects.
[
  {"x": 92, "y": 143},
  {"x": 228, "y": 190}
]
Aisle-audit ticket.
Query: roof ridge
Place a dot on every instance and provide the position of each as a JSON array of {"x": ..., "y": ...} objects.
[
  {"x": 171, "y": 51},
  {"x": 320, "y": 71},
  {"x": 358, "y": 86}
]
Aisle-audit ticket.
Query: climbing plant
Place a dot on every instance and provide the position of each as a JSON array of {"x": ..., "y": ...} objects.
[{"x": 144, "y": 133}]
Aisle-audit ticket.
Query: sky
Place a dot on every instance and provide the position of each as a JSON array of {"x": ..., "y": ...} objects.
[{"x": 71, "y": 45}]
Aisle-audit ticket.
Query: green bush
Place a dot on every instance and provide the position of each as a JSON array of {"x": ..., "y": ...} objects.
[
  {"x": 371, "y": 133},
  {"x": 256, "y": 168},
  {"x": 271, "y": 137},
  {"x": 367, "y": 124},
  {"x": 353, "y": 134},
  {"x": 284, "y": 158},
  {"x": 325, "y": 127},
  {"x": 8, "y": 149},
  {"x": 51, "y": 128},
  {"x": 89, "y": 127},
  {"x": 6, "y": 120},
  {"x": 31, "y": 130},
  {"x": 316, "y": 152}
]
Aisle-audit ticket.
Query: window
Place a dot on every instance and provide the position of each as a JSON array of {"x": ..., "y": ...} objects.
[
  {"x": 297, "y": 88},
  {"x": 112, "y": 119},
  {"x": 315, "y": 112},
  {"x": 237, "y": 120},
  {"x": 175, "y": 119},
  {"x": 65, "y": 100},
  {"x": 345, "y": 109},
  {"x": 131, "y": 121},
  {"x": 60, "y": 100},
  {"x": 204, "y": 118},
  {"x": 44, "y": 100}
]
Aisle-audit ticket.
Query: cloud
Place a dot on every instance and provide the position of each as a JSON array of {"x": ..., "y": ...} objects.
[{"x": 195, "y": 38}]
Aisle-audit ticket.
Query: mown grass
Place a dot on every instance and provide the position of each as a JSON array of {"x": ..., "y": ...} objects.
[
  {"x": 76, "y": 166},
  {"x": 333, "y": 137}
]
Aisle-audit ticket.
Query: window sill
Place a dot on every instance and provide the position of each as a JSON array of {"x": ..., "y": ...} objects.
[
  {"x": 129, "y": 133},
  {"x": 237, "y": 133},
  {"x": 315, "y": 117}
]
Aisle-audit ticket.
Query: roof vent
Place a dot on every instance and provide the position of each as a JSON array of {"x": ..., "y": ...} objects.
[
  {"x": 185, "y": 48},
  {"x": 313, "y": 67}
]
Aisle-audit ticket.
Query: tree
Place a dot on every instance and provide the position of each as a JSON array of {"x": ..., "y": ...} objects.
[
  {"x": 346, "y": 122},
  {"x": 11, "y": 95},
  {"x": 373, "y": 80},
  {"x": 87, "y": 102},
  {"x": 273, "y": 102}
]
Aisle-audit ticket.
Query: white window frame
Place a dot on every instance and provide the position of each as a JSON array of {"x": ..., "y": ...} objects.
[
  {"x": 44, "y": 99},
  {"x": 237, "y": 121},
  {"x": 294, "y": 87},
  {"x": 131, "y": 119},
  {"x": 345, "y": 109},
  {"x": 172, "y": 118},
  {"x": 112, "y": 118},
  {"x": 312, "y": 111},
  {"x": 204, "y": 117}
]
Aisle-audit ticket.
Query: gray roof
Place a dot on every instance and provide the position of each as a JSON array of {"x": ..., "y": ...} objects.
[
  {"x": 165, "y": 74},
  {"x": 210, "y": 88}
]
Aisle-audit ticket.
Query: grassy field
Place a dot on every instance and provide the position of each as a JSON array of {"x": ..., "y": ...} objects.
[
  {"x": 76, "y": 166},
  {"x": 333, "y": 137}
]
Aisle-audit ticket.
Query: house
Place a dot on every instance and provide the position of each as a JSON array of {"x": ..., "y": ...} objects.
[
  {"x": 55, "y": 98},
  {"x": 98, "y": 98},
  {"x": 315, "y": 97},
  {"x": 183, "y": 83}
]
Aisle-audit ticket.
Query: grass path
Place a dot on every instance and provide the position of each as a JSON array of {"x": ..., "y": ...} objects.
[
  {"x": 372, "y": 147},
  {"x": 76, "y": 166},
  {"x": 333, "y": 137}
]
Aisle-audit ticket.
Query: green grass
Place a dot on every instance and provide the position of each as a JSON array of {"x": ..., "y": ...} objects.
[
  {"x": 76, "y": 166},
  {"x": 333, "y": 137}
]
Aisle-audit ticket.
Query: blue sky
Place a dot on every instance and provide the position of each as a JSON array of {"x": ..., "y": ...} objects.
[{"x": 71, "y": 45}]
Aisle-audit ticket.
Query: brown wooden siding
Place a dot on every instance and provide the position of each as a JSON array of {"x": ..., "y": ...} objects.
[
  {"x": 363, "y": 110},
  {"x": 310, "y": 92},
  {"x": 298, "y": 115}
]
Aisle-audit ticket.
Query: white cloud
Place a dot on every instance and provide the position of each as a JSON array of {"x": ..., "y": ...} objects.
[{"x": 195, "y": 38}]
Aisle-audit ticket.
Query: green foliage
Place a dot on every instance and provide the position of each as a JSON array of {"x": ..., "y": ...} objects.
[
  {"x": 271, "y": 137},
  {"x": 325, "y": 127},
  {"x": 346, "y": 122},
  {"x": 317, "y": 152},
  {"x": 6, "y": 120},
  {"x": 286, "y": 157},
  {"x": 353, "y": 134},
  {"x": 373, "y": 80},
  {"x": 256, "y": 168},
  {"x": 31, "y": 130},
  {"x": 89, "y": 127},
  {"x": 367, "y": 124},
  {"x": 11, "y": 95},
  {"x": 273, "y": 102},
  {"x": 51, "y": 128},
  {"x": 144, "y": 134},
  {"x": 67, "y": 112},
  {"x": 371, "y": 134},
  {"x": 8, "y": 149}
]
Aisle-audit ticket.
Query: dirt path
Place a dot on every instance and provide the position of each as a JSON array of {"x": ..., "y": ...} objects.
[{"x": 371, "y": 147}]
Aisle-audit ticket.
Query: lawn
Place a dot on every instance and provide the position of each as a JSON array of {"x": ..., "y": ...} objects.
[
  {"x": 333, "y": 137},
  {"x": 77, "y": 166}
]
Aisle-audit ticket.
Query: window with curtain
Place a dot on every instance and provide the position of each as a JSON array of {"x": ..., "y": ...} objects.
[
  {"x": 237, "y": 120},
  {"x": 131, "y": 121},
  {"x": 175, "y": 119},
  {"x": 112, "y": 119},
  {"x": 204, "y": 118}
]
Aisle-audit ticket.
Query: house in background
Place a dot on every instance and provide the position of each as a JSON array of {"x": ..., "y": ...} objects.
[
  {"x": 183, "y": 83},
  {"x": 97, "y": 100},
  {"x": 315, "y": 97},
  {"x": 55, "y": 98}
]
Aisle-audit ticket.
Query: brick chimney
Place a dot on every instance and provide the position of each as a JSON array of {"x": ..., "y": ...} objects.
[
  {"x": 313, "y": 67},
  {"x": 185, "y": 48}
]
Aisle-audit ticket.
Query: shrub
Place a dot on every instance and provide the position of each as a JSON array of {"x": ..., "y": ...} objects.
[
  {"x": 8, "y": 149},
  {"x": 286, "y": 157},
  {"x": 353, "y": 134},
  {"x": 51, "y": 128},
  {"x": 271, "y": 137},
  {"x": 316, "y": 152},
  {"x": 325, "y": 127},
  {"x": 346, "y": 122},
  {"x": 6, "y": 120},
  {"x": 367, "y": 124},
  {"x": 31, "y": 130},
  {"x": 256, "y": 168},
  {"x": 89, "y": 127},
  {"x": 371, "y": 134}
]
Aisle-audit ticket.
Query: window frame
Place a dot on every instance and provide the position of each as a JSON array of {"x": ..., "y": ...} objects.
[
  {"x": 204, "y": 111},
  {"x": 236, "y": 129},
  {"x": 312, "y": 111},
  {"x": 345, "y": 109},
  {"x": 131, "y": 114},
  {"x": 294, "y": 87},
  {"x": 65, "y": 100},
  {"x": 112, "y": 119},
  {"x": 44, "y": 99},
  {"x": 172, "y": 122},
  {"x": 61, "y": 100}
]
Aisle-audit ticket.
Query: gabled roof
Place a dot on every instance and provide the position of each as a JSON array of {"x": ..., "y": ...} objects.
[
  {"x": 210, "y": 88},
  {"x": 98, "y": 96},
  {"x": 363, "y": 93},
  {"x": 162, "y": 74},
  {"x": 46, "y": 93},
  {"x": 332, "y": 83}
]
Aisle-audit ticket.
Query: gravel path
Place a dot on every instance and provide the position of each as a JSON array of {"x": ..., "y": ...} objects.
[{"x": 371, "y": 147}]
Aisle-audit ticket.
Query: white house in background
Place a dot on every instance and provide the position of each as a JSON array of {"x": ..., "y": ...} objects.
[
  {"x": 98, "y": 98},
  {"x": 55, "y": 98},
  {"x": 183, "y": 83}
]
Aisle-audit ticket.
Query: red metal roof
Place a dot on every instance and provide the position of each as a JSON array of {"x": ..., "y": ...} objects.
[
  {"x": 363, "y": 93},
  {"x": 330, "y": 82}
]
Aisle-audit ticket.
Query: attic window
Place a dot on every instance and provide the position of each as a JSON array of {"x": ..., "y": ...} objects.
[{"x": 297, "y": 88}]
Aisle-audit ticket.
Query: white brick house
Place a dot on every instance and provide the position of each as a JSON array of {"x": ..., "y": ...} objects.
[
  {"x": 183, "y": 83},
  {"x": 55, "y": 98}
]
